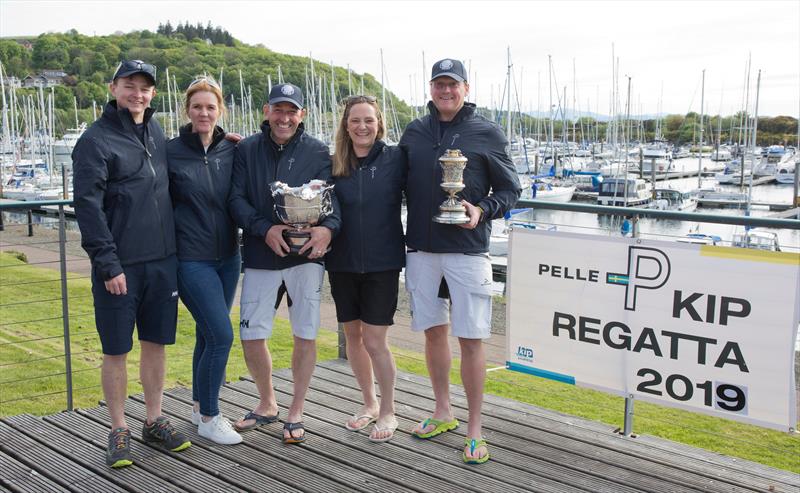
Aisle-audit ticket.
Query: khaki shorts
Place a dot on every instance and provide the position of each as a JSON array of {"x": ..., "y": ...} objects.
[
  {"x": 469, "y": 280},
  {"x": 260, "y": 293}
]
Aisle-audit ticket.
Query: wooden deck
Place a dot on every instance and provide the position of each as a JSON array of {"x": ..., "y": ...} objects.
[{"x": 532, "y": 450}]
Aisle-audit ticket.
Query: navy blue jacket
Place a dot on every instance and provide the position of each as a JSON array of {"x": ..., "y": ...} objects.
[
  {"x": 199, "y": 182},
  {"x": 255, "y": 166},
  {"x": 121, "y": 192},
  {"x": 371, "y": 197},
  {"x": 490, "y": 179}
]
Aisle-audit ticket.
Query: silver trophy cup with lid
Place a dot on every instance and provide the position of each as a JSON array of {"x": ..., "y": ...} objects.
[
  {"x": 451, "y": 211},
  {"x": 301, "y": 208}
]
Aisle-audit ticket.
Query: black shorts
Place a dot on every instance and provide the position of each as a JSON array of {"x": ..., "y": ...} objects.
[
  {"x": 151, "y": 303},
  {"x": 369, "y": 297}
]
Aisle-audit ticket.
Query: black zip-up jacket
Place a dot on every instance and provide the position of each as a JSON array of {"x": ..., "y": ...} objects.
[
  {"x": 256, "y": 164},
  {"x": 121, "y": 192},
  {"x": 489, "y": 169},
  {"x": 371, "y": 238},
  {"x": 199, "y": 182}
]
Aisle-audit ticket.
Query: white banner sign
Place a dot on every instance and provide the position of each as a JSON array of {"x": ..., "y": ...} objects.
[{"x": 709, "y": 329}]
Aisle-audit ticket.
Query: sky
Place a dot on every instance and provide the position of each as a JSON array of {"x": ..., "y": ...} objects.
[{"x": 661, "y": 47}]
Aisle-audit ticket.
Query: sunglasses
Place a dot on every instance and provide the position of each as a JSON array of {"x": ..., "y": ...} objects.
[
  {"x": 359, "y": 98},
  {"x": 207, "y": 79},
  {"x": 127, "y": 67}
]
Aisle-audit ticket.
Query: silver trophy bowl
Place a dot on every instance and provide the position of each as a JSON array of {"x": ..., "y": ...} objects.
[{"x": 301, "y": 208}]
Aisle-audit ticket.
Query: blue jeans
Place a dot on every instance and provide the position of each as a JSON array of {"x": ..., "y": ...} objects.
[{"x": 207, "y": 289}]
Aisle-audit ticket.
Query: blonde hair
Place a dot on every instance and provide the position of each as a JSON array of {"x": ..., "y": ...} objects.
[
  {"x": 204, "y": 84},
  {"x": 344, "y": 157}
]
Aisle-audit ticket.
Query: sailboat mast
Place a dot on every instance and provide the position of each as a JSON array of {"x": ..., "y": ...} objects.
[
  {"x": 753, "y": 143},
  {"x": 700, "y": 142},
  {"x": 383, "y": 90},
  {"x": 508, "y": 81}
]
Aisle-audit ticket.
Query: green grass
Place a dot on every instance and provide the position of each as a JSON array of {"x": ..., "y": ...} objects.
[
  {"x": 30, "y": 384},
  {"x": 23, "y": 374}
]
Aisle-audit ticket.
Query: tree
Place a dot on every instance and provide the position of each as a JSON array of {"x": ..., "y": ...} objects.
[{"x": 50, "y": 52}]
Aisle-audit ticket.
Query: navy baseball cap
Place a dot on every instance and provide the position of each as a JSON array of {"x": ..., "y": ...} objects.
[
  {"x": 127, "y": 68},
  {"x": 288, "y": 93},
  {"x": 449, "y": 67}
]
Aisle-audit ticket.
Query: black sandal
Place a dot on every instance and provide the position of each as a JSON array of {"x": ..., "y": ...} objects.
[
  {"x": 290, "y": 427},
  {"x": 259, "y": 420}
]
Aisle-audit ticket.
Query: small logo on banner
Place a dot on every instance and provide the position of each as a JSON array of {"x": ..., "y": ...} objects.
[{"x": 525, "y": 353}]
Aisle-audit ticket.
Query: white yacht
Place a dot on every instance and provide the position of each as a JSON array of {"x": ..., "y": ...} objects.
[
  {"x": 657, "y": 156},
  {"x": 624, "y": 192},
  {"x": 669, "y": 199},
  {"x": 65, "y": 144},
  {"x": 759, "y": 239}
]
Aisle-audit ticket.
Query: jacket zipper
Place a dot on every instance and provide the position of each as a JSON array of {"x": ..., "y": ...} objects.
[
  {"x": 361, "y": 214},
  {"x": 155, "y": 196},
  {"x": 435, "y": 164},
  {"x": 213, "y": 196}
]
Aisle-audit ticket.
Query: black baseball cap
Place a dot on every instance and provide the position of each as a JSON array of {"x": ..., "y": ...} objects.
[
  {"x": 449, "y": 67},
  {"x": 127, "y": 68},
  {"x": 288, "y": 93}
]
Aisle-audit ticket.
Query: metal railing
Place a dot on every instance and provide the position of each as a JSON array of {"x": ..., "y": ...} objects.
[{"x": 27, "y": 208}]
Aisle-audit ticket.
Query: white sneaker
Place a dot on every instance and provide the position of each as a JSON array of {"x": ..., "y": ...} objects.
[
  {"x": 195, "y": 417},
  {"x": 219, "y": 430}
]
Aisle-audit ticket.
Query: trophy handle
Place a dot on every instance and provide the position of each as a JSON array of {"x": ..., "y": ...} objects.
[{"x": 326, "y": 207}]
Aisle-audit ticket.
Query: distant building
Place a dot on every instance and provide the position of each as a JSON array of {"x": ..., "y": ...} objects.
[
  {"x": 12, "y": 81},
  {"x": 47, "y": 78},
  {"x": 34, "y": 81}
]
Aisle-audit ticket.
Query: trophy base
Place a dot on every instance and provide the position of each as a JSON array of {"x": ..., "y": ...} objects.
[
  {"x": 451, "y": 217},
  {"x": 297, "y": 239}
]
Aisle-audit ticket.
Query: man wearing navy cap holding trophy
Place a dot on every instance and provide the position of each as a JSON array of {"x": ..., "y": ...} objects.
[
  {"x": 454, "y": 150},
  {"x": 288, "y": 217}
]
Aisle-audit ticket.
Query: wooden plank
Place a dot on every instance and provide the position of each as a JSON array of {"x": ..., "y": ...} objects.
[
  {"x": 607, "y": 447},
  {"x": 401, "y": 458},
  {"x": 204, "y": 459},
  {"x": 160, "y": 463},
  {"x": 20, "y": 477},
  {"x": 375, "y": 460},
  {"x": 233, "y": 463},
  {"x": 318, "y": 472},
  {"x": 659, "y": 449},
  {"x": 88, "y": 454},
  {"x": 52, "y": 463},
  {"x": 522, "y": 457}
]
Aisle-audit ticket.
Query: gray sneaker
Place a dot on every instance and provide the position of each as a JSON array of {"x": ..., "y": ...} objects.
[
  {"x": 162, "y": 433},
  {"x": 118, "y": 453}
]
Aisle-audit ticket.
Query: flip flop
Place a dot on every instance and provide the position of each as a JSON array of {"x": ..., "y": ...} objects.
[
  {"x": 391, "y": 427},
  {"x": 358, "y": 417},
  {"x": 474, "y": 444},
  {"x": 258, "y": 421},
  {"x": 440, "y": 427},
  {"x": 290, "y": 427}
]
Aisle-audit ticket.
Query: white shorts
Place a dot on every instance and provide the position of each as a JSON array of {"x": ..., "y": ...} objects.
[
  {"x": 469, "y": 279},
  {"x": 260, "y": 292}
]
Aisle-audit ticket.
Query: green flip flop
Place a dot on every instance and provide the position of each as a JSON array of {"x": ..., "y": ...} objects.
[
  {"x": 474, "y": 444},
  {"x": 440, "y": 427}
]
